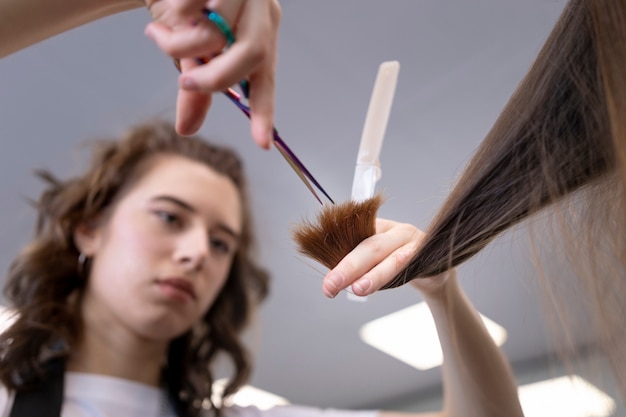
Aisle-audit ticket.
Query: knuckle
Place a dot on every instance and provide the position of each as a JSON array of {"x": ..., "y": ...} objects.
[
  {"x": 178, "y": 6},
  {"x": 348, "y": 267},
  {"x": 401, "y": 258},
  {"x": 377, "y": 278},
  {"x": 257, "y": 52},
  {"x": 376, "y": 244},
  {"x": 217, "y": 81},
  {"x": 169, "y": 48},
  {"x": 408, "y": 227}
]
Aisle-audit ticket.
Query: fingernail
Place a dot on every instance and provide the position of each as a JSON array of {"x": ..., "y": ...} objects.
[
  {"x": 328, "y": 293},
  {"x": 333, "y": 283},
  {"x": 189, "y": 84},
  {"x": 362, "y": 285}
]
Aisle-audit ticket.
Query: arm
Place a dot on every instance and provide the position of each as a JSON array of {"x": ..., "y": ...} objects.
[
  {"x": 253, "y": 56},
  {"x": 26, "y": 22},
  {"x": 477, "y": 380}
]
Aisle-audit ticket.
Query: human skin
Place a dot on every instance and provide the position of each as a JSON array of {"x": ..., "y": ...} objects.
[
  {"x": 477, "y": 378},
  {"x": 178, "y": 221},
  {"x": 253, "y": 56},
  {"x": 159, "y": 257},
  {"x": 180, "y": 30}
]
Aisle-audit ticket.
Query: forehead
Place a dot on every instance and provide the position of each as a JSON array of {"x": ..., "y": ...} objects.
[{"x": 209, "y": 192}]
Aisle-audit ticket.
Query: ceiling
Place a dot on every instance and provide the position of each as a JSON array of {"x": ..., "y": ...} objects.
[{"x": 460, "y": 61}]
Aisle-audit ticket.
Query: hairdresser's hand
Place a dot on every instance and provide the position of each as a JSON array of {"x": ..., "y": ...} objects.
[
  {"x": 378, "y": 259},
  {"x": 181, "y": 31}
]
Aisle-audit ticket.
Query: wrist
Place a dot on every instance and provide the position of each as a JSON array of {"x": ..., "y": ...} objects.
[{"x": 440, "y": 289}]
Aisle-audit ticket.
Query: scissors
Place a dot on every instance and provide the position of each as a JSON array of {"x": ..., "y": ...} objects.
[{"x": 239, "y": 99}]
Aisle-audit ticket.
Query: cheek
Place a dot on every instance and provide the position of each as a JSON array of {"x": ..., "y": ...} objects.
[
  {"x": 134, "y": 241},
  {"x": 130, "y": 250}
]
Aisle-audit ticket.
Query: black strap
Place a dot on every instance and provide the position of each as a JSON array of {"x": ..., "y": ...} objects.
[{"x": 45, "y": 400}]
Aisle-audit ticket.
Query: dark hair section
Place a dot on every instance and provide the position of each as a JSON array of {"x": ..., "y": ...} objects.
[
  {"x": 44, "y": 283},
  {"x": 559, "y": 142},
  {"x": 552, "y": 138}
]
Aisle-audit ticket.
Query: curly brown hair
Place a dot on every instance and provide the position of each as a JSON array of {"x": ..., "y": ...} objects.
[{"x": 44, "y": 283}]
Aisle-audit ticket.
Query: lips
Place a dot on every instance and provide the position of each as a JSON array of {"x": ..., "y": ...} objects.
[{"x": 177, "y": 287}]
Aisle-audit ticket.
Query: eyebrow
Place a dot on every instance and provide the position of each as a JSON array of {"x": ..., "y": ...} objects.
[{"x": 188, "y": 207}]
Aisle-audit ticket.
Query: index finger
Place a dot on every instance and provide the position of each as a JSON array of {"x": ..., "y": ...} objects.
[
  {"x": 252, "y": 56},
  {"x": 374, "y": 261}
]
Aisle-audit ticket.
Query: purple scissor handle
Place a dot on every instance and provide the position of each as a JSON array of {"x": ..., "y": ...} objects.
[{"x": 282, "y": 147}]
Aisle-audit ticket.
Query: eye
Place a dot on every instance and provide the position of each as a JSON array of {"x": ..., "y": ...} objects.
[
  {"x": 168, "y": 218},
  {"x": 221, "y": 246}
]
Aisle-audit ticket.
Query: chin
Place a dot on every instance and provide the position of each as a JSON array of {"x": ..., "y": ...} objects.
[{"x": 165, "y": 330}]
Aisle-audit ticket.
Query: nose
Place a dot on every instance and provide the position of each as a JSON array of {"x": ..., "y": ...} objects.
[{"x": 193, "y": 248}]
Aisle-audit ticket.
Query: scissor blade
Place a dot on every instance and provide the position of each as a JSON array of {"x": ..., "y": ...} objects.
[
  {"x": 295, "y": 162},
  {"x": 300, "y": 174},
  {"x": 287, "y": 153}
]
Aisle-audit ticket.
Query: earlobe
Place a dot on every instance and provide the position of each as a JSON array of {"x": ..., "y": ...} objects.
[{"x": 86, "y": 238}]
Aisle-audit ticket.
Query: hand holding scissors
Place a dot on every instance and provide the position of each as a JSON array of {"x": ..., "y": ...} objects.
[
  {"x": 182, "y": 30},
  {"x": 240, "y": 98}
]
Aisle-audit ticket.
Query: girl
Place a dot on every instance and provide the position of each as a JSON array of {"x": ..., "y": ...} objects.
[{"x": 141, "y": 273}]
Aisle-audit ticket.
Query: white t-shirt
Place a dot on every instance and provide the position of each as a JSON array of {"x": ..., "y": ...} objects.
[{"x": 89, "y": 395}]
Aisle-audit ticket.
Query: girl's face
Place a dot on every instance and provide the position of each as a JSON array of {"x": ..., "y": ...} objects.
[{"x": 163, "y": 251}]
